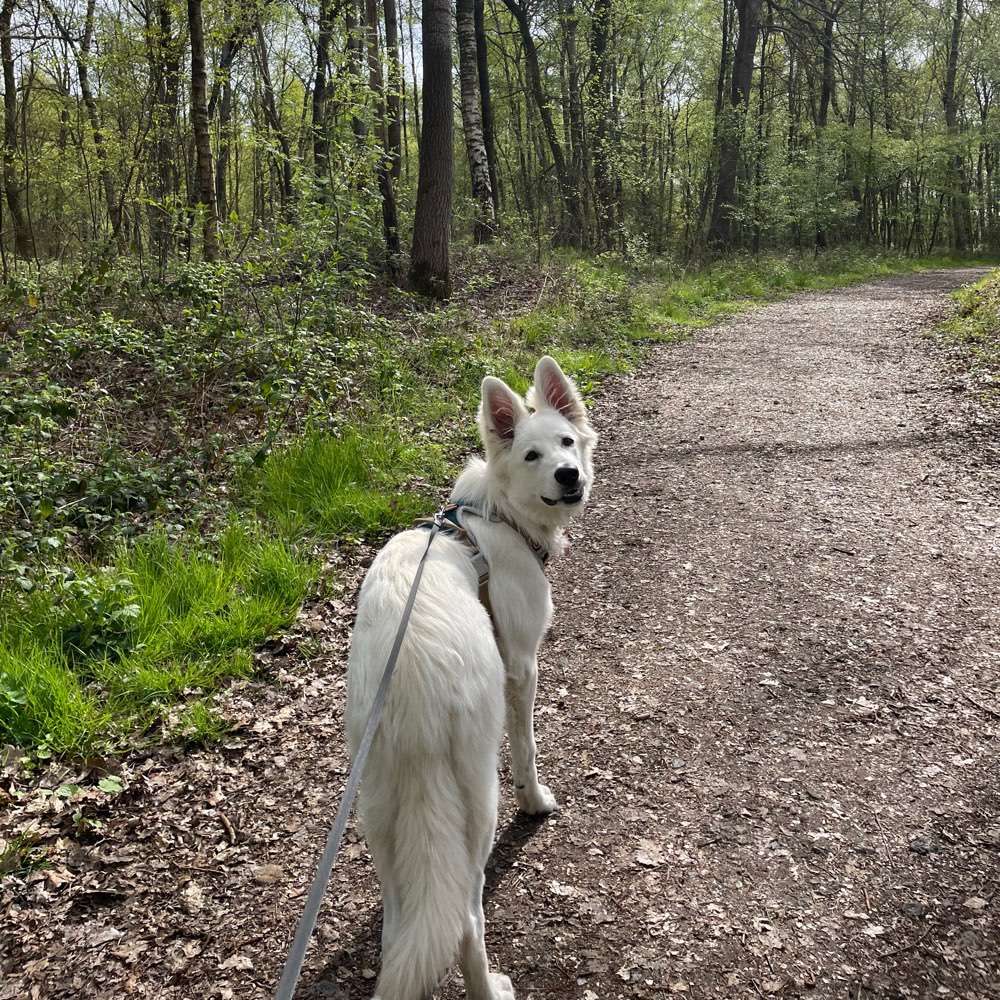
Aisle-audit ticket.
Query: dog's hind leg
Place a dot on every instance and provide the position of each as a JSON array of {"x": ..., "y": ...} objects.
[
  {"x": 390, "y": 914},
  {"x": 480, "y": 983},
  {"x": 532, "y": 797}
]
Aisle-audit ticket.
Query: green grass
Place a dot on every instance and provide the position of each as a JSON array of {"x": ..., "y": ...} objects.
[
  {"x": 201, "y": 724},
  {"x": 93, "y": 658},
  {"x": 671, "y": 305},
  {"x": 44, "y": 704},
  {"x": 22, "y": 855},
  {"x": 354, "y": 482},
  {"x": 975, "y": 330}
]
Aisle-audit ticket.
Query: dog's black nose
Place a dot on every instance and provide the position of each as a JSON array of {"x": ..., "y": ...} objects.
[{"x": 568, "y": 475}]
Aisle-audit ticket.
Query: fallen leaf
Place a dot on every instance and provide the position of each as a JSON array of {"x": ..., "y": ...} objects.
[
  {"x": 129, "y": 951},
  {"x": 102, "y": 936},
  {"x": 650, "y": 854},
  {"x": 238, "y": 961},
  {"x": 266, "y": 874},
  {"x": 192, "y": 899}
]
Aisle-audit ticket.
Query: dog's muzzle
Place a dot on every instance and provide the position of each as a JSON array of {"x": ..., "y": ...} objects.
[
  {"x": 568, "y": 477},
  {"x": 569, "y": 499}
]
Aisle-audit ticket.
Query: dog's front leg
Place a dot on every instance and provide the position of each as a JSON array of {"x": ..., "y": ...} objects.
[{"x": 532, "y": 797}]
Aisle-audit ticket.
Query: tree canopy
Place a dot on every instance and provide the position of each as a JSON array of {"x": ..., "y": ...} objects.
[{"x": 168, "y": 131}]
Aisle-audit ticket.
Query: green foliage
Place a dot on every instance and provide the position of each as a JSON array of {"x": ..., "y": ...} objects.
[
  {"x": 45, "y": 706},
  {"x": 85, "y": 662},
  {"x": 22, "y": 855},
  {"x": 200, "y": 723},
  {"x": 350, "y": 483},
  {"x": 975, "y": 331}
]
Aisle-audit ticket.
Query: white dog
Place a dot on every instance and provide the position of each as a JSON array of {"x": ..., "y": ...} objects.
[{"x": 429, "y": 792}]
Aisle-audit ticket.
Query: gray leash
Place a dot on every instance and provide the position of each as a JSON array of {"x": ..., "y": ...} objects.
[{"x": 307, "y": 922}]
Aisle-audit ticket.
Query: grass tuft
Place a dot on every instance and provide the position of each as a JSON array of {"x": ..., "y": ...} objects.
[
  {"x": 975, "y": 331},
  {"x": 357, "y": 482},
  {"x": 193, "y": 612}
]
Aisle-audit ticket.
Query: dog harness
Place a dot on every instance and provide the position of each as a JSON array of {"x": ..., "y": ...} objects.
[{"x": 451, "y": 520}]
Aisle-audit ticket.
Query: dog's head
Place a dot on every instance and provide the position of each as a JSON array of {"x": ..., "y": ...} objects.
[{"x": 542, "y": 456}]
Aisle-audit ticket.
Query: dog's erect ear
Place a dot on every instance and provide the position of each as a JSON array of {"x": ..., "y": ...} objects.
[
  {"x": 554, "y": 389},
  {"x": 500, "y": 412}
]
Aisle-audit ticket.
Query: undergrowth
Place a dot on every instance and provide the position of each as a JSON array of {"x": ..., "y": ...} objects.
[
  {"x": 102, "y": 650},
  {"x": 172, "y": 451},
  {"x": 975, "y": 332}
]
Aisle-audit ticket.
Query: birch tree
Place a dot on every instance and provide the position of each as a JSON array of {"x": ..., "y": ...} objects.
[{"x": 472, "y": 123}]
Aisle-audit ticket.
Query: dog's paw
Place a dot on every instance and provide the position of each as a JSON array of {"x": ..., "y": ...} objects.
[
  {"x": 500, "y": 987},
  {"x": 537, "y": 801}
]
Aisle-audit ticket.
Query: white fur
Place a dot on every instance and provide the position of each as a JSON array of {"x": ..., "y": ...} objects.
[{"x": 429, "y": 793}]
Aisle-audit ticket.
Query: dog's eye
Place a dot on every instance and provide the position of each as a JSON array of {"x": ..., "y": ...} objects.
[
  {"x": 568, "y": 442},
  {"x": 532, "y": 456}
]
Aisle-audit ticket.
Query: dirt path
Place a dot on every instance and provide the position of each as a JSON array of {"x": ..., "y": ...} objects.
[{"x": 769, "y": 707}]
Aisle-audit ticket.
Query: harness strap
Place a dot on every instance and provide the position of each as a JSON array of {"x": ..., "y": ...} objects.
[
  {"x": 449, "y": 520},
  {"x": 479, "y": 564}
]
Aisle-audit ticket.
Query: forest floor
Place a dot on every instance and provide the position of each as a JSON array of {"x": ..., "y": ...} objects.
[{"x": 769, "y": 707}]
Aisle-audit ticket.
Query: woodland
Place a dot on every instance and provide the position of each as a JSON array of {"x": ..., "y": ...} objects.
[
  {"x": 166, "y": 132},
  {"x": 257, "y": 258}
]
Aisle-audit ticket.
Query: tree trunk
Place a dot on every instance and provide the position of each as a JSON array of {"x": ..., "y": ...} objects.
[
  {"x": 222, "y": 98},
  {"x": 486, "y": 102},
  {"x": 721, "y": 230},
  {"x": 81, "y": 53},
  {"x": 320, "y": 126},
  {"x": 825, "y": 97},
  {"x": 200, "y": 125},
  {"x": 958, "y": 195},
  {"x": 355, "y": 58},
  {"x": 718, "y": 119},
  {"x": 429, "y": 263},
  {"x": 390, "y": 220},
  {"x": 270, "y": 106},
  {"x": 600, "y": 76},
  {"x": 577, "y": 128},
  {"x": 163, "y": 53},
  {"x": 24, "y": 242},
  {"x": 416, "y": 89},
  {"x": 827, "y": 82},
  {"x": 760, "y": 157},
  {"x": 571, "y": 229},
  {"x": 394, "y": 90},
  {"x": 518, "y": 130},
  {"x": 472, "y": 124}
]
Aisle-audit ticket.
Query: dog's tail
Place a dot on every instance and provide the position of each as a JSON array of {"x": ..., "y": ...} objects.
[{"x": 435, "y": 876}]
